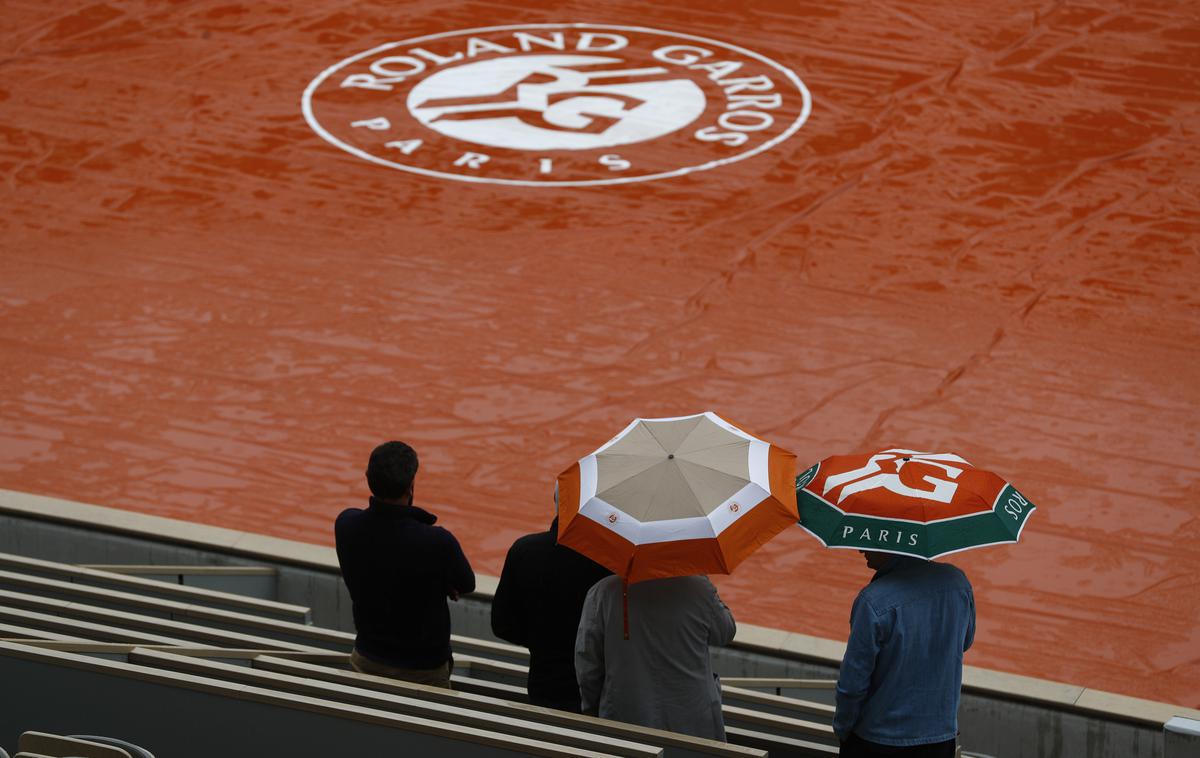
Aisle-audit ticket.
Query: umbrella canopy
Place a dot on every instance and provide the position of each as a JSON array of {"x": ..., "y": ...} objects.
[
  {"x": 908, "y": 502},
  {"x": 676, "y": 496}
]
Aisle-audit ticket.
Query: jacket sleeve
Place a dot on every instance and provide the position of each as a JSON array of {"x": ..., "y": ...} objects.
[
  {"x": 854, "y": 679},
  {"x": 509, "y": 620},
  {"x": 589, "y": 653},
  {"x": 969, "y": 639},
  {"x": 459, "y": 576},
  {"x": 721, "y": 627}
]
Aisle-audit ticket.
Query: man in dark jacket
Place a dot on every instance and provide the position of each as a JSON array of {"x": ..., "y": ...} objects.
[
  {"x": 537, "y": 604},
  {"x": 399, "y": 569}
]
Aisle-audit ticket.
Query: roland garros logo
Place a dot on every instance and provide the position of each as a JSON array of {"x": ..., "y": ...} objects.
[{"x": 556, "y": 104}]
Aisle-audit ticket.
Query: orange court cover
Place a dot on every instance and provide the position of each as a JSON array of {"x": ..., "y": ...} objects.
[{"x": 243, "y": 243}]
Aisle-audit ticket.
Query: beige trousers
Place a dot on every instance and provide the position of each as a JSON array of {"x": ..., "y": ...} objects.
[{"x": 437, "y": 677}]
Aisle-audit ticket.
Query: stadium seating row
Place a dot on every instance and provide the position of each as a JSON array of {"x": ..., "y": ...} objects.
[
  {"x": 75, "y": 625},
  {"x": 1002, "y": 714}
]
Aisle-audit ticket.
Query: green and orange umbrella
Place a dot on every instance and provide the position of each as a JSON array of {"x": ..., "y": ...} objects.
[{"x": 908, "y": 502}]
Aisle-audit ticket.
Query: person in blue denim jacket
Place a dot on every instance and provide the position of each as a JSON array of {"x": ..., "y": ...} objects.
[{"x": 898, "y": 690}]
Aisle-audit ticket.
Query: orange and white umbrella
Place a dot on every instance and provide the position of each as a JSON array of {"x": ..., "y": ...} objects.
[{"x": 676, "y": 496}]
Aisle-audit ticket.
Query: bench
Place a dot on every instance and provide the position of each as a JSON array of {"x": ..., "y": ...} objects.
[
  {"x": 133, "y": 601},
  {"x": 137, "y": 585},
  {"x": 17, "y": 633},
  {"x": 134, "y": 624},
  {"x": 49, "y": 624},
  {"x": 242, "y": 656},
  {"x": 506, "y": 699},
  {"x": 814, "y": 690},
  {"x": 116, "y": 697},
  {"x": 243, "y": 623},
  {"x": 252, "y": 581},
  {"x": 285, "y": 634},
  {"x": 781, "y": 706},
  {"x": 795, "y": 723},
  {"x": 778, "y": 747},
  {"x": 405, "y": 704}
]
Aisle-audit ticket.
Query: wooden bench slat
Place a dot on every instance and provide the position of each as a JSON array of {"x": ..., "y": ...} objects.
[
  {"x": 257, "y": 625},
  {"x": 88, "y": 630},
  {"x": 226, "y": 691},
  {"x": 18, "y": 631},
  {"x": 779, "y": 747},
  {"x": 137, "y": 622},
  {"x": 229, "y": 653},
  {"x": 395, "y": 703},
  {"x": 135, "y": 569},
  {"x": 102, "y": 596},
  {"x": 17, "y": 564},
  {"x": 778, "y": 702},
  {"x": 774, "y": 724},
  {"x": 780, "y": 683},
  {"x": 490, "y": 648},
  {"x": 499, "y": 698}
]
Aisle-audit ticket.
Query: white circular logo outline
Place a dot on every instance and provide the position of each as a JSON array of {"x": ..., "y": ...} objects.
[{"x": 306, "y": 108}]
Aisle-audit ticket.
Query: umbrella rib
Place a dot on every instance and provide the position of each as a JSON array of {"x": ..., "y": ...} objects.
[
  {"x": 706, "y": 448},
  {"x": 698, "y": 493}
]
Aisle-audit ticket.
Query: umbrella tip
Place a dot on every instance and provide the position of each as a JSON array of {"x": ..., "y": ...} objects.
[{"x": 670, "y": 456}]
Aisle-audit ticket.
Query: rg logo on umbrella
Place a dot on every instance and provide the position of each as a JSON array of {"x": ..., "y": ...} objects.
[
  {"x": 873, "y": 476},
  {"x": 905, "y": 501}
]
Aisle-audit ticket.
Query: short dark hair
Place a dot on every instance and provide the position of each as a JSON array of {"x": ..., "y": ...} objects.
[{"x": 391, "y": 470}]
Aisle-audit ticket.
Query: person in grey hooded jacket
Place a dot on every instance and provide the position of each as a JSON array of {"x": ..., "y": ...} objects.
[{"x": 661, "y": 676}]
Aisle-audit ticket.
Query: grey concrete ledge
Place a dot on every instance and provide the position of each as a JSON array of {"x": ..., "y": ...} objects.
[
  {"x": 1178, "y": 725},
  {"x": 775, "y": 642},
  {"x": 119, "y": 521}
]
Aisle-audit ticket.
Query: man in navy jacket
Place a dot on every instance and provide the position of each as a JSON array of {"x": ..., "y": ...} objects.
[{"x": 399, "y": 569}]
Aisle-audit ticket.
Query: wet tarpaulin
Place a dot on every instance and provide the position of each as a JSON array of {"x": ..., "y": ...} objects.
[{"x": 943, "y": 226}]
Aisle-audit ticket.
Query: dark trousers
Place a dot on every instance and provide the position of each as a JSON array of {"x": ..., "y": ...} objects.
[
  {"x": 857, "y": 747},
  {"x": 556, "y": 703}
]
